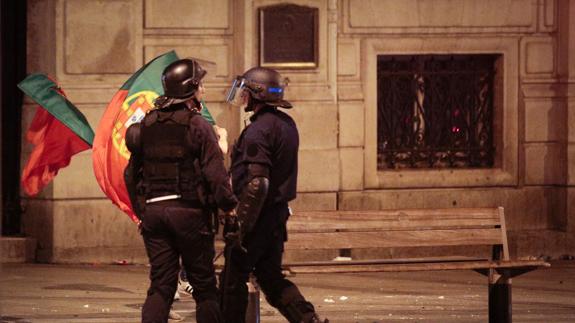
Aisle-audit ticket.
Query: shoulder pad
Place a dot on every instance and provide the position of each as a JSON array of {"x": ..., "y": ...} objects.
[{"x": 134, "y": 138}]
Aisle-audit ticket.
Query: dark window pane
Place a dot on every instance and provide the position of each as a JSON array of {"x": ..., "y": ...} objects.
[{"x": 435, "y": 111}]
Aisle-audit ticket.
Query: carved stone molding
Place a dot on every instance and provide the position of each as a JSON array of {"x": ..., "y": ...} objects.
[
  {"x": 439, "y": 16},
  {"x": 168, "y": 17}
]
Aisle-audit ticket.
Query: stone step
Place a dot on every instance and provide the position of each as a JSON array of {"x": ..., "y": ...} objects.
[{"x": 17, "y": 249}]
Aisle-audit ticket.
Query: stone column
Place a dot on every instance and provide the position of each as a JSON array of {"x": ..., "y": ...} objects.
[
  {"x": 566, "y": 69},
  {"x": 1, "y": 158},
  {"x": 41, "y": 58},
  {"x": 332, "y": 15}
]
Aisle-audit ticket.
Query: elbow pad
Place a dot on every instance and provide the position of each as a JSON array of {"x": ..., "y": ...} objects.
[
  {"x": 252, "y": 200},
  {"x": 132, "y": 179},
  {"x": 131, "y": 187}
]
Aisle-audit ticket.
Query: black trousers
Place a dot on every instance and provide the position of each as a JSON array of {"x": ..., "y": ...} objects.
[
  {"x": 170, "y": 231},
  {"x": 264, "y": 258}
]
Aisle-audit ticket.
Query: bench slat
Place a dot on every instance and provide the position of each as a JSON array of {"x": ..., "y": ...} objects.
[
  {"x": 469, "y": 213},
  {"x": 314, "y": 225},
  {"x": 390, "y": 239},
  {"x": 473, "y": 265},
  {"x": 318, "y": 221},
  {"x": 445, "y": 259}
]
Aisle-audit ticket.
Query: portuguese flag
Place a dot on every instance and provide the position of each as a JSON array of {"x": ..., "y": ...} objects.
[
  {"x": 109, "y": 154},
  {"x": 58, "y": 131},
  {"x": 130, "y": 104}
]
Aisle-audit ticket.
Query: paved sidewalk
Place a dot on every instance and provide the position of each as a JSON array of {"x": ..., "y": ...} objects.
[{"x": 65, "y": 293}]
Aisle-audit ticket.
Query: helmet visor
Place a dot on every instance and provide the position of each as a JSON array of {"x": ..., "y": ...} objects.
[{"x": 235, "y": 95}]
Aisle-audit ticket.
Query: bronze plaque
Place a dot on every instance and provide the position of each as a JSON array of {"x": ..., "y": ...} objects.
[{"x": 288, "y": 36}]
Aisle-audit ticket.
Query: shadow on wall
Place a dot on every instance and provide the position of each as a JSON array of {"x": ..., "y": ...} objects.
[{"x": 117, "y": 53}]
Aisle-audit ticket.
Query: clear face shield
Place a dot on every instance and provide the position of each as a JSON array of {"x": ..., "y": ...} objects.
[
  {"x": 236, "y": 93},
  {"x": 272, "y": 94}
]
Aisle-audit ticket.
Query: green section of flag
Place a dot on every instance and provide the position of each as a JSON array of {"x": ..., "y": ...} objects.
[
  {"x": 206, "y": 114},
  {"x": 149, "y": 77},
  {"x": 44, "y": 92}
]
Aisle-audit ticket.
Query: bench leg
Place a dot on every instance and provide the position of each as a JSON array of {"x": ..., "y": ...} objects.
[
  {"x": 253, "y": 310},
  {"x": 499, "y": 298}
]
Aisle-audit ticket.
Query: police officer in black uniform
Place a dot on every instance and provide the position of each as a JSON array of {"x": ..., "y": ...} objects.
[
  {"x": 264, "y": 174},
  {"x": 175, "y": 159}
]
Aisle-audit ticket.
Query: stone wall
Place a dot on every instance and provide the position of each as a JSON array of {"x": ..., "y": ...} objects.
[
  {"x": 92, "y": 47},
  {"x": 531, "y": 180}
]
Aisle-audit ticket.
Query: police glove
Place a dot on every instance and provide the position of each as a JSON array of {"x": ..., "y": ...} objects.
[{"x": 232, "y": 229}]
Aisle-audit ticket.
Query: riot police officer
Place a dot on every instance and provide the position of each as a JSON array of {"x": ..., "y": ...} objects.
[
  {"x": 264, "y": 175},
  {"x": 175, "y": 159}
]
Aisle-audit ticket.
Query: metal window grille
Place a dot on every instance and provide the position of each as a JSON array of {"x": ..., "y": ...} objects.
[{"x": 435, "y": 111}]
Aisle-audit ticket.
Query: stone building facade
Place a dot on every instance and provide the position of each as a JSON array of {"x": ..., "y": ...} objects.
[{"x": 93, "y": 46}]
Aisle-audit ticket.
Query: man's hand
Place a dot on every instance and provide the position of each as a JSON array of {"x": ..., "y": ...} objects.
[
  {"x": 140, "y": 225},
  {"x": 231, "y": 226},
  {"x": 232, "y": 229},
  {"x": 222, "y": 135},
  {"x": 231, "y": 214}
]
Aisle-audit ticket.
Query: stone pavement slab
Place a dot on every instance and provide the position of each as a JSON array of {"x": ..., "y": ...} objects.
[{"x": 109, "y": 293}]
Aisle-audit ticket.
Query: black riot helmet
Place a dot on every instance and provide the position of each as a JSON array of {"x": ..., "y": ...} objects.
[
  {"x": 263, "y": 85},
  {"x": 181, "y": 79}
]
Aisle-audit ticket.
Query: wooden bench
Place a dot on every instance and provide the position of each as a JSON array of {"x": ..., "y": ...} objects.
[{"x": 442, "y": 231}]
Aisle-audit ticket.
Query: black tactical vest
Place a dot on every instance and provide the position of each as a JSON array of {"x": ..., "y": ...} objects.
[{"x": 169, "y": 166}]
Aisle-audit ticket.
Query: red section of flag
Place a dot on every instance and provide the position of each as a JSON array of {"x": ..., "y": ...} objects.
[
  {"x": 55, "y": 144},
  {"x": 130, "y": 104},
  {"x": 108, "y": 162}
]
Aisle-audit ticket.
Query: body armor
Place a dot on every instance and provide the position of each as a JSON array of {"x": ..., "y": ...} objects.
[{"x": 168, "y": 164}]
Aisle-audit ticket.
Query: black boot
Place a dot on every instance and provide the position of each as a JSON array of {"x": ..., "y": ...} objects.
[
  {"x": 294, "y": 307},
  {"x": 208, "y": 311},
  {"x": 314, "y": 318}
]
